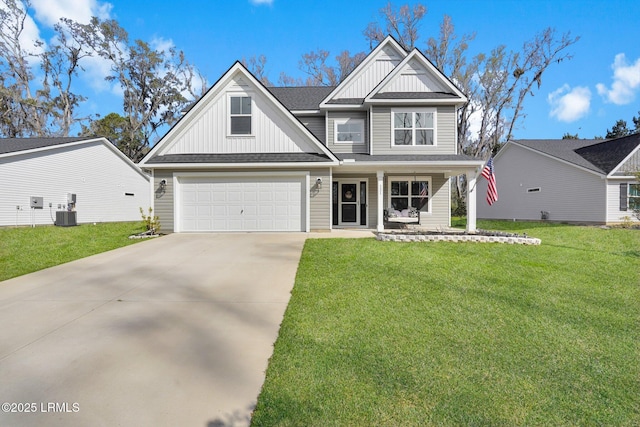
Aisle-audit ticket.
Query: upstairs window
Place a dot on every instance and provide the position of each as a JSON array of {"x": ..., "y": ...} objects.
[
  {"x": 349, "y": 131},
  {"x": 240, "y": 117},
  {"x": 413, "y": 127}
]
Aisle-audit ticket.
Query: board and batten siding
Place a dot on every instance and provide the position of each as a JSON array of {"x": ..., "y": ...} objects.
[
  {"x": 107, "y": 188},
  {"x": 631, "y": 166},
  {"x": 566, "y": 192},
  {"x": 414, "y": 77},
  {"x": 315, "y": 124},
  {"x": 206, "y": 129},
  {"x": 319, "y": 203},
  {"x": 369, "y": 78},
  {"x": 439, "y": 194},
  {"x": 346, "y": 147},
  {"x": 445, "y": 133}
]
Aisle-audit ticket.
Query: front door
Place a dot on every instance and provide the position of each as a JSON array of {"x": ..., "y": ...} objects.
[{"x": 352, "y": 202}]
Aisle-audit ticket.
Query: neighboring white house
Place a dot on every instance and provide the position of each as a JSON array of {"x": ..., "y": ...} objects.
[
  {"x": 108, "y": 187},
  {"x": 590, "y": 181}
]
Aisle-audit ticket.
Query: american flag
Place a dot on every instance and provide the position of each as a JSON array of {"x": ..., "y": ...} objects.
[
  {"x": 488, "y": 173},
  {"x": 423, "y": 190}
]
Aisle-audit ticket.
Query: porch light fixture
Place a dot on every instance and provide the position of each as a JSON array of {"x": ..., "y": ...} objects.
[
  {"x": 163, "y": 184},
  {"x": 319, "y": 182}
]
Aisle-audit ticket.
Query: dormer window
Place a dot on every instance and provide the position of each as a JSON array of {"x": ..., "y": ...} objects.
[
  {"x": 240, "y": 115},
  {"x": 414, "y": 127},
  {"x": 349, "y": 131}
]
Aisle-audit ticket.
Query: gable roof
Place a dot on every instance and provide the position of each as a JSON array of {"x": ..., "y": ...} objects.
[
  {"x": 388, "y": 43},
  {"x": 19, "y": 146},
  {"x": 16, "y": 145},
  {"x": 155, "y": 155},
  {"x": 598, "y": 156},
  {"x": 448, "y": 91}
]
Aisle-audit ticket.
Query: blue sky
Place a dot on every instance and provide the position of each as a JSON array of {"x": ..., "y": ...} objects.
[{"x": 585, "y": 95}]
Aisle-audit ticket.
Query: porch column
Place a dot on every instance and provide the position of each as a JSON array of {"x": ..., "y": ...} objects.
[
  {"x": 380, "y": 175},
  {"x": 471, "y": 201}
]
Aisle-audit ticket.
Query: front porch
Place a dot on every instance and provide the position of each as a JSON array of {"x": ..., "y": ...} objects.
[{"x": 397, "y": 199}]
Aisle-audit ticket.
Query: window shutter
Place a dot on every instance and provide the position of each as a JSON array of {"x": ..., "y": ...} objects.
[{"x": 623, "y": 197}]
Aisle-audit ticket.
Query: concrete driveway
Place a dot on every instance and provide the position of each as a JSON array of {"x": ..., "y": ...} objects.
[{"x": 175, "y": 331}]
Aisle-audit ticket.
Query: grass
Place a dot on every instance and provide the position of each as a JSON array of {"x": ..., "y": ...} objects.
[
  {"x": 448, "y": 334},
  {"x": 25, "y": 250}
]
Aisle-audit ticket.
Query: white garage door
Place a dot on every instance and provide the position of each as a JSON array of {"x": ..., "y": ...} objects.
[{"x": 242, "y": 204}]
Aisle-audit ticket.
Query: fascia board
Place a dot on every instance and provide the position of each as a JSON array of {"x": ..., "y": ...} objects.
[
  {"x": 388, "y": 40},
  {"x": 436, "y": 163},
  {"x": 344, "y": 107},
  {"x": 306, "y": 112},
  {"x": 407, "y": 101}
]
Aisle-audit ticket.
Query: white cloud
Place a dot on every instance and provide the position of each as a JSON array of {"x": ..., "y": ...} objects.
[
  {"x": 626, "y": 81},
  {"x": 49, "y": 12},
  {"x": 161, "y": 45},
  {"x": 569, "y": 105},
  {"x": 261, "y": 2}
]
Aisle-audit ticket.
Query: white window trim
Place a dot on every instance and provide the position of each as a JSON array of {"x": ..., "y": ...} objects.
[
  {"x": 342, "y": 121},
  {"x": 413, "y": 139},
  {"x": 629, "y": 196},
  {"x": 410, "y": 179},
  {"x": 252, "y": 115}
]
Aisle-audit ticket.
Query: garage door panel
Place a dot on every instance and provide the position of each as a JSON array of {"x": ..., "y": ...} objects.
[{"x": 242, "y": 204}]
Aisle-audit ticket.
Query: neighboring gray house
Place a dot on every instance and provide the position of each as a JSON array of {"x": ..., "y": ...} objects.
[
  {"x": 588, "y": 181},
  {"x": 250, "y": 158},
  {"x": 108, "y": 186}
]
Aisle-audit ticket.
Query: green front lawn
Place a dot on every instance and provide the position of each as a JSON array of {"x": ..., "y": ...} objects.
[
  {"x": 25, "y": 250},
  {"x": 415, "y": 334}
]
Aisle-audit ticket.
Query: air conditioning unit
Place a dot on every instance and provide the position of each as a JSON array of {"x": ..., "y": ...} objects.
[{"x": 66, "y": 218}]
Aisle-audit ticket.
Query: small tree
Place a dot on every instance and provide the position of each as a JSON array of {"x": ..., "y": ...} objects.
[{"x": 150, "y": 222}]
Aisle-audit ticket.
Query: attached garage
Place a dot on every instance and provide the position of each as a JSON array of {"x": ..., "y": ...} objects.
[{"x": 241, "y": 203}]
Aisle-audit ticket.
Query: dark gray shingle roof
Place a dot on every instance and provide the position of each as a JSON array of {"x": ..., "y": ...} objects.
[
  {"x": 301, "y": 98},
  {"x": 415, "y": 95},
  {"x": 358, "y": 157},
  {"x": 593, "y": 154},
  {"x": 14, "y": 145},
  {"x": 239, "y": 158},
  {"x": 346, "y": 101}
]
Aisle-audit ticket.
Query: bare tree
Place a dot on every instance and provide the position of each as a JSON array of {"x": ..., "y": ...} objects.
[
  {"x": 402, "y": 23},
  {"x": 320, "y": 72},
  {"x": 256, "y": 65}
]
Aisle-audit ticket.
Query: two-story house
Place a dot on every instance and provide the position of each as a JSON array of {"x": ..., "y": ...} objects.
[{"x": 380, "y": 145}]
